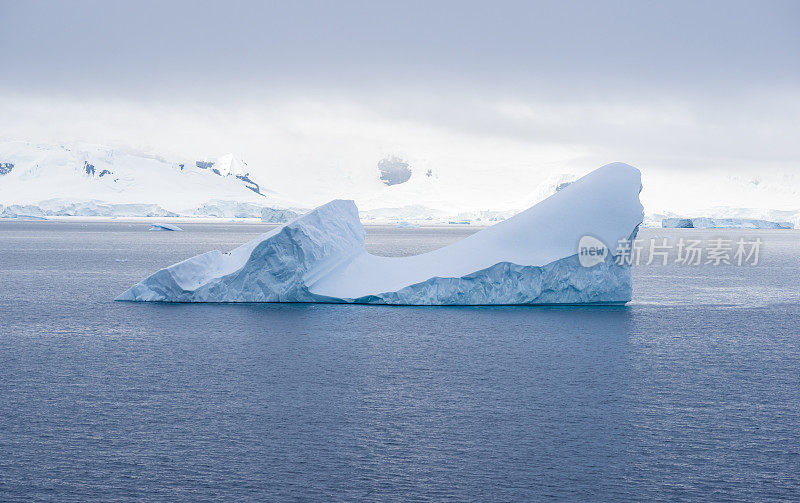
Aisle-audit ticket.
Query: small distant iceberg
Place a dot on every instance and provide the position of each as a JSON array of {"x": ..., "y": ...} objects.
[
  {"x": 406, "y": 225},
  {"x": 531, "y": 258},
  {"x": 723, "y": 223},
  {"x": 164, "y": 227}
]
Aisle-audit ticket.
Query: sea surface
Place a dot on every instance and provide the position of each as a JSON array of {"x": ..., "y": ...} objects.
[{"x": 691, "y": 392}]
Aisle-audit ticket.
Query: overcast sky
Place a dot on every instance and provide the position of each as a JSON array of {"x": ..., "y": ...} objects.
[{"x": 479, "y": 88}]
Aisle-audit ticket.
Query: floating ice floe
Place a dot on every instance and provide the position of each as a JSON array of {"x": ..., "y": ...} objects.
[
  {"x": 406, "y": 225},
  {"x": 164, "y": 227},
  {"x": 530, "y": 258}
]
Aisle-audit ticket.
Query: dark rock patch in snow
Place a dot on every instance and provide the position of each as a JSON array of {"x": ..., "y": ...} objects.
[
  {"x": 394, "y": 170},
  {"x": 250, "y": 184}
]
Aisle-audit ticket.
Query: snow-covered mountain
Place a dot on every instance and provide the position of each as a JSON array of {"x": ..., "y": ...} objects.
[{"x": 86, "y": 179}]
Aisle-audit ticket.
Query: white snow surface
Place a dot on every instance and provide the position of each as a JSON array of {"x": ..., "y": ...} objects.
[
  {"x": 604, "y": 204},
  {"x": 128, "y": 183},
  {"x": 527, "y": 259},
  {"x": 87, "y": 179}
]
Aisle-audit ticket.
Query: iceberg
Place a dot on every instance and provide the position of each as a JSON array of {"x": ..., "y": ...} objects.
[
  {"x": 530, "y": 258},
  {"x": 677, "y": 223},
  {"x": 164, "y": 227},
  {"x": 723, "y": 223}
]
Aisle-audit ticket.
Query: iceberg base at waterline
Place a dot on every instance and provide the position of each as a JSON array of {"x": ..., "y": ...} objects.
[{"x": 530, "y": 258}]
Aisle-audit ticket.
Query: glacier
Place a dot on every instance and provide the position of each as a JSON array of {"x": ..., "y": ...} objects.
[
  {"x": 723, "y": 223},
  {"x": 22, "y": 212},
  {"x": 530, "y": 258}
]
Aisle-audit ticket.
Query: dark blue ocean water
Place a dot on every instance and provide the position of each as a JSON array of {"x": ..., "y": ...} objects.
[{"x": 692, "y": 392}]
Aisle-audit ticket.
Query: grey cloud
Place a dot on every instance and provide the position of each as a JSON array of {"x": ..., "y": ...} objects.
[{"x": 208, "y": 48}]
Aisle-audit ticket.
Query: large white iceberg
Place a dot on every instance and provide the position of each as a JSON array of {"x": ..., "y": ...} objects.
[{"x": 530, "y": 258}]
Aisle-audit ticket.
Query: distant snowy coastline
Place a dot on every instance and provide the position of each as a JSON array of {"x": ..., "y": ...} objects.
[
  {"x": 84, "y": 180},
  {"x": 724, "y": 217},
  {"x": 723, "y": 223},
  {"x": 41, "y": 181},
  {"x": 211, "y": 210}
]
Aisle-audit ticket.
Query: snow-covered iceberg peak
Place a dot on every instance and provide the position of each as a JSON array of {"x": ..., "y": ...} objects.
[{"x": 530, "y": 258}]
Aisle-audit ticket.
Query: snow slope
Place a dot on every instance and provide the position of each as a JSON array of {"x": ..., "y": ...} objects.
[
  {"x": 527, "y": 259},
  {"x": 89, "y": 179}
]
